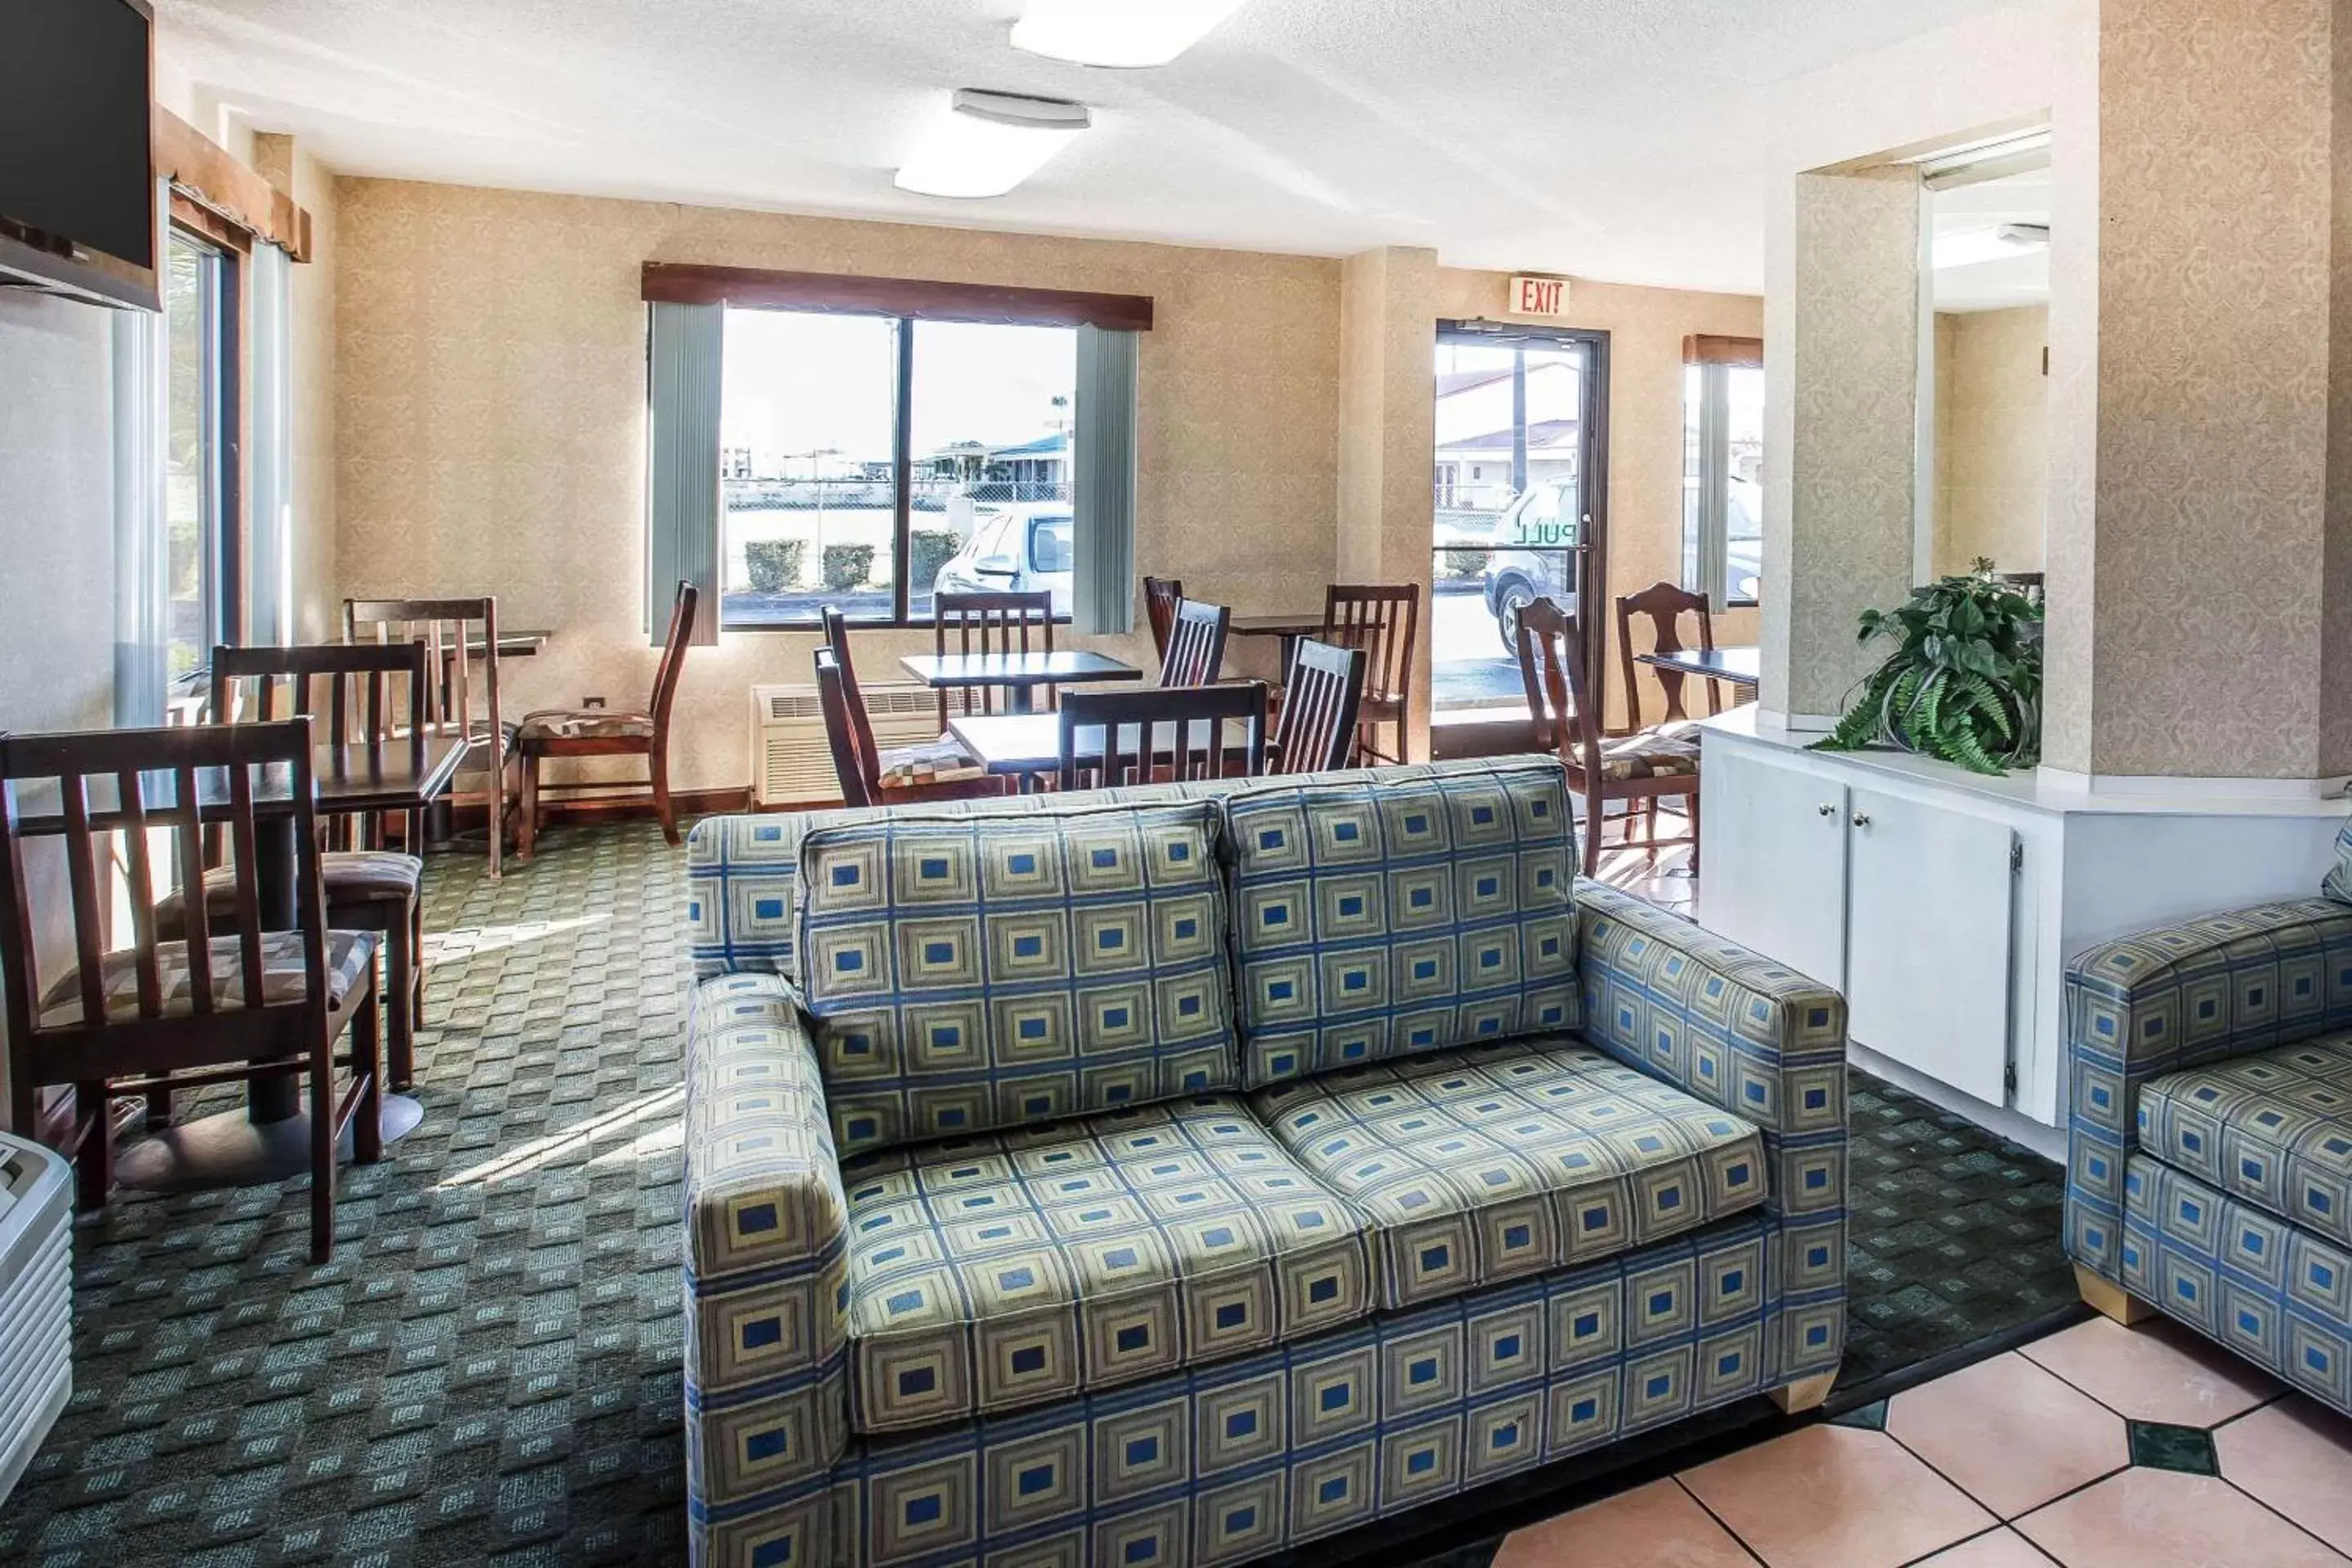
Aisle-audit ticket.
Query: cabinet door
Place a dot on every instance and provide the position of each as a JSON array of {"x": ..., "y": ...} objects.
[
  {"x": 1928, "y": 939},
  {"x": 1772, "y": 859}
]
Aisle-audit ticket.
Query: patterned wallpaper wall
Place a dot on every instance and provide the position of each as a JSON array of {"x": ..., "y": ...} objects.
[
  {"x": 491, "y": 409},
  {"x": 1992, "y": 438}
]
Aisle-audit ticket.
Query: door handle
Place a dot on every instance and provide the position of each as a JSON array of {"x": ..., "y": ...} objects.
[
  {"x": 1862, "y": 819},
  {"x": 1825, "y": 809}
]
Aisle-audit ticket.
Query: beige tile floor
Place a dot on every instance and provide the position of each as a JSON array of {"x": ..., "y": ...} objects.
[{"x": 2099, "y": 1447}]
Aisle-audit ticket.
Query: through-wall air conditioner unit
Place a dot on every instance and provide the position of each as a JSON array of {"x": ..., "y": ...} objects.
[
  {"x": 792, "y": 761},
  {"x": 35, "y": 1301}
]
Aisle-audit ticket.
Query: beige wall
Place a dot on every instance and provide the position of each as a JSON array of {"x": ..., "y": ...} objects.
[
  {"x": 1992, "y": 438},
  {"x": 490, "y": 420},
  {"x": 1645, "y": 328},
  {"x": 318, "y": 609}
]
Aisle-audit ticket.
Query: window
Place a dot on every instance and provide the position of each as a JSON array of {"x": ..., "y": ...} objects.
[
  {"x": 1519, "y": 498},
  {"x": 1723, "y": 470},
  {"x": 869, "y": 461},
  {"x": 200, "y": 469}
]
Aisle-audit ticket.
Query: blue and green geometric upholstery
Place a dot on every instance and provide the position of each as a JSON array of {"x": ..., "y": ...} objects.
[
  {"x": 1379, "y": 919},
  {"x": 963, "y": 976},
  {"x": 1497, "y": 1162},
  {"x": 743, "y": 871},
  {"x": 990, "y": 1274},
  {"x": 767, "y": 1347},
  {"x": 2205, "y": 991},
  {"x": 2273, "y": 1130}
]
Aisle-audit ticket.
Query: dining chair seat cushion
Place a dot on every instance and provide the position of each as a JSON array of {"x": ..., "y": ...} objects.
[
  {"x": 939, "y": 761},
  {"x": 585, "y": 724},
  {"x": 349, "y": 954},
  {"x": 352, "y": 876},
  {"x": 1650, "y": 754}
]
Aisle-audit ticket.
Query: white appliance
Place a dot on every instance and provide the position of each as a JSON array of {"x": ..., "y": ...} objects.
[
  {"x": 792, "y": 763},
  {"x": 35, "y": 1299}
]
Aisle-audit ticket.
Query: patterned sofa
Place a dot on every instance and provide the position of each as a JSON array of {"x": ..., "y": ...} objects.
[
  {"x": 2209, "y": 1149},
  {"x": 1175, "y": 1175}
]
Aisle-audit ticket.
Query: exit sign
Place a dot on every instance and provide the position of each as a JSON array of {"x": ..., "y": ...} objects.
[{"x": 1539, "y": 296}]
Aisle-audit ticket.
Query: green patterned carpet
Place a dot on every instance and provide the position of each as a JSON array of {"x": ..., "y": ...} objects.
[{"x": 488, "y": 1371}]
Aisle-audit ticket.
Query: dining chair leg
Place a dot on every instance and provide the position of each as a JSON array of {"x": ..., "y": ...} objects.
[
  {"x": 323, "y": 1149},
  {"x": 417, "y": 972},
  {"x": 400, "y": 994},
  {"x": 497, "y": 812},
  {"x": 94, "y": 1160},
  {"x": 159, "y": 1109},
  {"x": 1592, "y": 832},
  {"x": 527, "y": 830},
  {"x": 658, "y": 762},
  {"x": 367, "y": 1076}
]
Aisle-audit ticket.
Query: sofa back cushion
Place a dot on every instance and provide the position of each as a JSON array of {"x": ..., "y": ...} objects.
[
  {"x": 988, "y": 972},
  {"x": 1375, "y": 917}
]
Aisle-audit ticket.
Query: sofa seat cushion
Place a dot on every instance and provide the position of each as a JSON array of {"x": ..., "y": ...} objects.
[
  {"x": 993, "y": 1273},
  {"x": 2273, "y": 1128},
  {"x": 1517, "y": 1158}
]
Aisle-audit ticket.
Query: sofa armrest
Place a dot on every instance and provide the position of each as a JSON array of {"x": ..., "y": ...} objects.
[
  {"x": 767, "y": 1389},
  {"x": 2154, "y": 1003},
  {"x": 1736, "y": 1031}
]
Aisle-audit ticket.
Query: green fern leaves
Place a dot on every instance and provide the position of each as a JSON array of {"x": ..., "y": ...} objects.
[{"x": 1964, "y": 682}]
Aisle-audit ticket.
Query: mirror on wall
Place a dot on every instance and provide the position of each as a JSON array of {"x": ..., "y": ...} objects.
[{"x": 1987, "y": 289}]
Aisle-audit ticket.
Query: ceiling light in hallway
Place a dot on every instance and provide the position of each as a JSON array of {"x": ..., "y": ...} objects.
[
  {"x": 985, "y": 144},
  {"x": 1128, "y": 33}
]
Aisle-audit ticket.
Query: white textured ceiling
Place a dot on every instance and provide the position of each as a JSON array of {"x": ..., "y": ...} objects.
[
  {"x": 2017, "y": 280},
  {"x": 1610, "y": 139}
]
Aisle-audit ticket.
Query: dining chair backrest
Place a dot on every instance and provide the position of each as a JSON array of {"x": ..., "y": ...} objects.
[
  {"x": 1664, "y": 605},
  {"x": 1195, "y": 651},
  {"x": 356, "y": 694},
  {"x": 847, "y": 734},
  {"x": 1558, "y": 686},
  {"x": 461, "y": 655},
  {"x": 1161, "y": 596},
  {"x": 1113, "y": 737},
  {"x": 1381, "y": 619},
  {"x": 1316, "y": 730},
  {"x": 142, "y": 800},
  {"x": 989, "y": 622},
  {"x": 683, "y": 607}
]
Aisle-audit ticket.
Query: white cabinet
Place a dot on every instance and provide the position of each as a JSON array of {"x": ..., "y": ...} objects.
[
  {"x": 1946, "y": 906},
  {"x": 1930, "y": 896}
]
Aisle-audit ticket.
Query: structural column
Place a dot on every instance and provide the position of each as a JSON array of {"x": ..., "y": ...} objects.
[{"x": 1387, "y": 415}]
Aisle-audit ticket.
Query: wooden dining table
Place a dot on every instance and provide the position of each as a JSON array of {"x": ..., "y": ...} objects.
[
  {"x": 1019, "y": 673},
  {"x": 1028, "y": 746},
  {"x": 269, "y": 1140},
  {"x": 1741, "y": 666}
]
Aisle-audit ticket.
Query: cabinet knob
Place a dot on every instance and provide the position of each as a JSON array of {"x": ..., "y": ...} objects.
[
  {"x": 1826, "y": 809},
  {"x": 1862, "y": 819}
]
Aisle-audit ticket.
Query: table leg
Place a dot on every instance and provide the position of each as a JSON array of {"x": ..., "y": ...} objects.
[
  {"x": 1018, "y": 700},
  {"x": 274, "y": 1099}
]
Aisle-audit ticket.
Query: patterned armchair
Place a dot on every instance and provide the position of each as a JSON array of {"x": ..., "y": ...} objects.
[
  {"x": 2209, "y": 1151},
  {"x": 1176, "y": 1175}
]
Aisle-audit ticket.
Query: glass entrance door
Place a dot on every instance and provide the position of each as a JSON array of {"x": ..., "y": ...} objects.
[{"x": 1519, "y": 491}]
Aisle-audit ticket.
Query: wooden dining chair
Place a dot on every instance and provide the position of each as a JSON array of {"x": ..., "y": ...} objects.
[
  {"x": 576, "y": 733},
  {"x": 461, "y": 658},
  {"x": 990, "y": 623},
  {"x": 1641, "y": 767},
  {"x": 870, "y": 775},
  {"x": 375, "y": 694},
  {"x": 231, "y": 1002},
  {"x": 1161, "y": 597},
  {"x": 1195, "y": 654},
  {"x": 1664, "y": 605},
  {"x": 1383, "y": 621},
  {"x": 1316, "y": 730},
  {"x": 1112, "y": 737}
]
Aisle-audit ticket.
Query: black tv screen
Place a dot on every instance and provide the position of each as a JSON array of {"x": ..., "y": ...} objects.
[{"x": 74, "y": 125}]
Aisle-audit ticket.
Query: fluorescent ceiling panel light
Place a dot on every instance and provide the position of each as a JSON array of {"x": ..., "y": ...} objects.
[
  {"x": 1973, "y": 246},
  {"x": 1125, "y": 33},
  {"x": 985, "y": 144}
]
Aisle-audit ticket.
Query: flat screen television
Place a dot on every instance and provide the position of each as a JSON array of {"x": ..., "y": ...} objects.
[{"x": 77, "y": 175}]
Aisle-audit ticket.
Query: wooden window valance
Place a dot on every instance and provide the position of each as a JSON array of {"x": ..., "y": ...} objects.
[
  {"x": 226, "y": 192},
  {"x": 688, "y": 283},
  {"x": 1746, "y": 352}
]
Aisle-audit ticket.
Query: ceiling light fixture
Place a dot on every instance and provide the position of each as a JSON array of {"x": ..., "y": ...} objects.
[
  {"x": 1122, "y": 33},
  {"x": 1971, "y": 248},
  {"x": 985, "y": 144}
]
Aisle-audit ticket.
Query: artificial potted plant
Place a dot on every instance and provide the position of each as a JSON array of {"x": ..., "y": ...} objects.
[{"x": 1964, "y": 682}]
